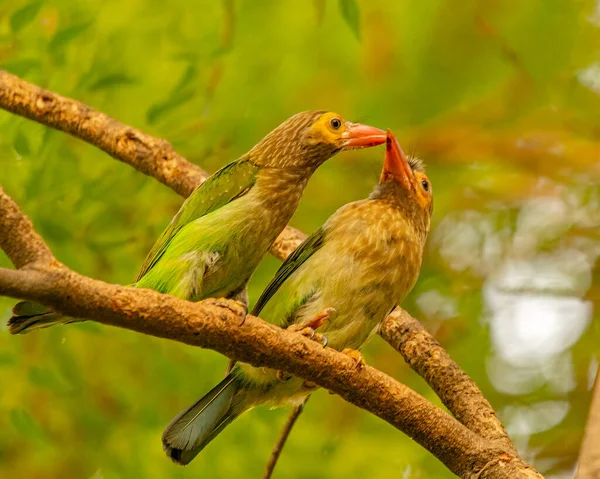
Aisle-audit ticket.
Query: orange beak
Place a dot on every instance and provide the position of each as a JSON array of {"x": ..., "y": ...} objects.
[
  {"x": 361, "y": 136},
  {"x": 396, "y": 164}
]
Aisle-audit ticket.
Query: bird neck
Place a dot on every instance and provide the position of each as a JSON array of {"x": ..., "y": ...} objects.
[
  {"x": 284, "y": 185},
  {"x": 398, "y": 198}
]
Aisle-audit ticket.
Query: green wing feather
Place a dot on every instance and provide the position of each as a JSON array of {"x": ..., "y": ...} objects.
[
  {"x": 227, "y": 184},
  {"x": 310, "y": 246}
]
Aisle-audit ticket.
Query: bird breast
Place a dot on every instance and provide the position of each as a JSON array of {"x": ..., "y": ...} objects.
[{"x": 369, "y": 263}]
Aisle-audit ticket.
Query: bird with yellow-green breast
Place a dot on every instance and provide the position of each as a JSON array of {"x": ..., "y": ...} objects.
[
  {"x": 342, "y": 281},
  {"x": 222, "y": 231}
]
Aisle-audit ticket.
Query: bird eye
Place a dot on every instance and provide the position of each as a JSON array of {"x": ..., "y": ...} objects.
[
  {"x": 425, "y": 185},
  {"x": 335, "y": 123}
]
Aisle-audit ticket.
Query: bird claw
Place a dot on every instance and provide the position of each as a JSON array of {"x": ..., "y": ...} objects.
[
  {"x": 310, "y": 333},
  {"x": 320, "y": 318},
  {"x": 236, "y": 307},
  {"x": 282, "y": 375},
  {"x": 309, "y": 385},
  {"x": 357, "y": 356},
  {"x": 308, "y": 328}
]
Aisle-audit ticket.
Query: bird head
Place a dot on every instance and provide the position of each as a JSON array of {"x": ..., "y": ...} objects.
[
  {"x": 309, "y": 138},
  {"x": 404, "y": 178}
]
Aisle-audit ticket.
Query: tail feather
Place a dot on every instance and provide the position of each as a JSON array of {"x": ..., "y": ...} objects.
[
  {"x": 29, "y": 316},
  {"x": 192, "y": 429}
]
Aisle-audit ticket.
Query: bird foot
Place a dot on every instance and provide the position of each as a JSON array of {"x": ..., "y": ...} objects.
[
  {"x": 282, "y": 375},
  {"x": 320, "y": 318},
  {"x": 309, "y": 333},
  {"x": 307, "y": 328},
  {"x": 236, "y": 307},
  {"x": 357, "y": 356}
]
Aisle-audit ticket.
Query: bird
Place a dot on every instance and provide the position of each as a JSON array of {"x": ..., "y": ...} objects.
[
  {"x": 225, "y": 227},
  {"x": 339, "y": 284}
]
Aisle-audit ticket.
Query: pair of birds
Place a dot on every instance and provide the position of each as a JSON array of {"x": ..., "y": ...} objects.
[{"x": 342, "y": 281}]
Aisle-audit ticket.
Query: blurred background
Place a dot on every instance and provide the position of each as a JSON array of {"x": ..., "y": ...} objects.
[{"x": 500, "y": 99}]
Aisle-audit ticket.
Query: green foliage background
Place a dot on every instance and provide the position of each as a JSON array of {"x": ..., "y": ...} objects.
[{"x": 501, "y": 100}]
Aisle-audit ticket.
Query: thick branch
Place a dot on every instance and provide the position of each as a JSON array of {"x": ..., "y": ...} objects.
[
  {"x": 259, "y": 343},
  {"x": 589, "y": 457},
  {"x": 150, "y": 155},
  {"x": 18, "y": 239},
  {"x": 455, "y": 388}
]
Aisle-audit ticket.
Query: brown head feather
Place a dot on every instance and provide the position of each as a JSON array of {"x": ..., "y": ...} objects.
[{"x": 287, "y": 146}]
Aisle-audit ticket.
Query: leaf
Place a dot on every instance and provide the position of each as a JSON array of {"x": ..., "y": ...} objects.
[
  {"x": 181, "y": 94},
  {"x": 349, "y": 9},
  {"x": 24, "y": 15},
  {"x": 21, "y": 67},
  {"x": 159, "y": 109},
  {"x": 21, "y": 144},
  {"x": 66, "y": 35},
  {"x": 112, "y": 80},
  {"x": 25, "y": 424},
  {"x": 45, "y": 378},
  {"x": 187, "y": 78}
]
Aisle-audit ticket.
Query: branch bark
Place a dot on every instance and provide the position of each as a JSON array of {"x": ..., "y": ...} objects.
[
  {"x": 479, "y": 447},
  {"x": 454, "y": 387},
  {"x": 589, "y": 456}
]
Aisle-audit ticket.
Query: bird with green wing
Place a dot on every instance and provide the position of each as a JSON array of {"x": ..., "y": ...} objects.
[
  {"x": 225, "y": 227},
  {"x": 342, "y": 282}
]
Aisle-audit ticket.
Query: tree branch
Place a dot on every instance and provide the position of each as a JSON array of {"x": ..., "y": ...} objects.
[
  {"x": 589, "y": 456},
  {"x": 150, "y": 155},
  {"x": 196, "y": 324},
  {"x": 18, "y": 239},
  {"x": 454, "y": 387}
]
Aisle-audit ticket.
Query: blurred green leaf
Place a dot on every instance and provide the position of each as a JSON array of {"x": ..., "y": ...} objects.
[
  {"x": 25, "y": 424},
  {"x": 24, "y": 15},
  {"x": 349, "y": 9},
  {"x": 47, "y": 379},
  {"x": 112, "y": 80},
  {"x": 7, "y": 359},
  {"x": 21, "y": 144},
  {"x": 21, "y": 67},
  {"x": 189, "y": 75},
  {"x": 181, "y": 94},
  {"x": 63, "y": 37},
  {"x": 158, "y": 110}
]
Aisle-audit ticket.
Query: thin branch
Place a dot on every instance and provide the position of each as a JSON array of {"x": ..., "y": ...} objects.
[
  {"x": 209, "y": 325},
  {"x": 287, "y": 429},
  {"x": 589, "y": 456},
  {"x": 454, "y": 387}
]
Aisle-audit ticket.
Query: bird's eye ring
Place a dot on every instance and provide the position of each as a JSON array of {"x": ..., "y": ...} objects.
[
  {"x": 335, "y": 123},
  {"x": 425, "y": 185}
]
